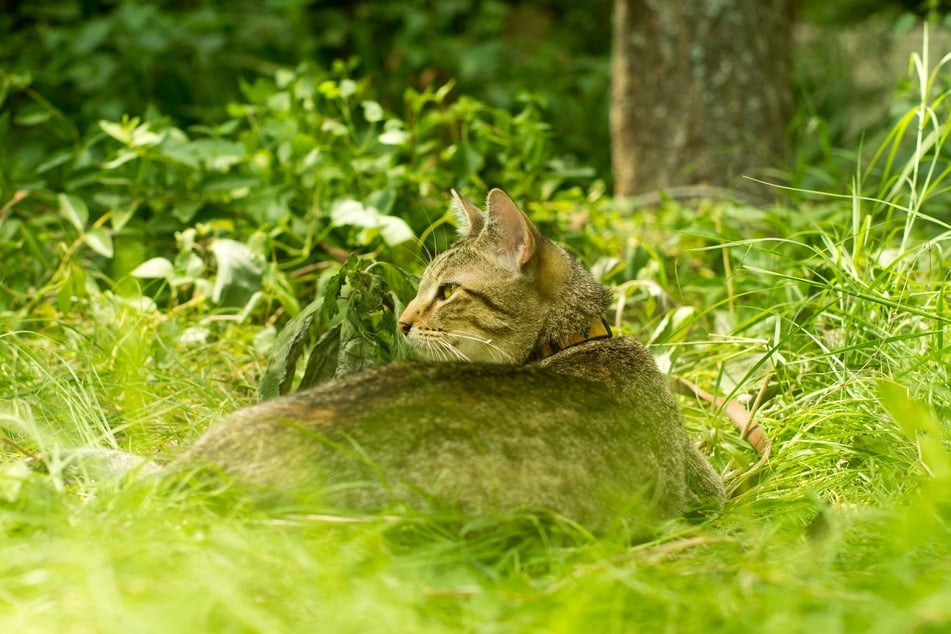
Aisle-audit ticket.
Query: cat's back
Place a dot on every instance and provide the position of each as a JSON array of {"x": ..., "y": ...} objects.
[
  {"x": 595, "y": 382},
  {"x": 583, "y": 433}
]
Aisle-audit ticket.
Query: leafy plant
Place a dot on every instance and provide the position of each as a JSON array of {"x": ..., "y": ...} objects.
[
  {"x": 353, "y": 324},
  {"x": 308, "y": 169}
]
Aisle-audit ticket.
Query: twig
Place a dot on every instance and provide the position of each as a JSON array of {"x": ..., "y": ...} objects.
[
  {"x": 22, "y": 450},
  {"x": 750, "y": 430},
  {"x": 18, "y": 195}
]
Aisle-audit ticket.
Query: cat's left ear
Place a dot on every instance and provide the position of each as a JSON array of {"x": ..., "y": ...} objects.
[
  {"x": 514, "y": 232},
  {"x": 469, "y": 218}
]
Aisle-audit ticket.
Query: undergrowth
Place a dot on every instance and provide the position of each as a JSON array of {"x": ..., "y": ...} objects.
[{"x": 827, "y": 319}]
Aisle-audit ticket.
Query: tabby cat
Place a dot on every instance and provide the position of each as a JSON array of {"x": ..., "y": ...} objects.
[{"x": 523, "y": 401}]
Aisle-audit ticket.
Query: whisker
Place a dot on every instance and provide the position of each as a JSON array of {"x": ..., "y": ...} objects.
[
  {"x": 462, "y": 334},
  {"x": 454, "y": 351},
  {"x": 438, "y": 349}
]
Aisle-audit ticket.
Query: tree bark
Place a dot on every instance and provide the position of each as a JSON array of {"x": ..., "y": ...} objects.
[{"x": 701, "y": 91}]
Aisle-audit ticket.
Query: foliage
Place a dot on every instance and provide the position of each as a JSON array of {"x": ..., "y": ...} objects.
[
  {"x": 354, "y": 317},
  {"x": 304, "y": 171},
  {"x": 102, "y": 59},
  {"x": 158, "y": 272}
]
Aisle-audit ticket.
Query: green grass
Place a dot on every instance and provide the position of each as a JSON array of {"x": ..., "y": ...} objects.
[
  {"x": 844, "y": 529},
  {"x": 830, "y": 316}
]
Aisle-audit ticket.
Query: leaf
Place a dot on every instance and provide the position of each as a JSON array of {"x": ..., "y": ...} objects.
[
  {"x": 357, "y": 352},
  {"x": 347, "y": 88},
  {"x": 919, "y": 423},
  {"x": 73, "y": 208},
  {"x": 90, "y": 36},
  {"x": 323, "y": 360},
  {"x": 240, "y": 271},
  {"x": 72, "y": 288},
  {"x": 178, "y": 151},
  {"x": 394, "y": 137},
  {"x": 153, "y": 269},
  {"x": 32, "y": 114},
  {"x": 121, "y": 159},
  {"x": 372, "y": 111},
  {"x": 12, "y": 477},
  {"x": 121, "y": 132},
  {"x": 287, "y": 348},
  {"x": 465, "y": 161},
  {"x": 352, "y": 212},
  {"x": 122, "y": 215},
  {"x": 99, "y": 240},
  {"x": 55, "y": 160},
  {"x": 185, "y": 210},
  {"x": 393, "y": 230},
  {"x": 219, "y": 154},
  {"x": 398, "y": 281}
]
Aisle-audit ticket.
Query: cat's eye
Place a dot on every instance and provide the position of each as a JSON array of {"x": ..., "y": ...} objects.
[{"x": 445, "y": 291}]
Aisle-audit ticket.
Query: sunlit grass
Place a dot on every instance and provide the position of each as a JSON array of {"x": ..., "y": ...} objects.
[{"x": 830, "y": 319}]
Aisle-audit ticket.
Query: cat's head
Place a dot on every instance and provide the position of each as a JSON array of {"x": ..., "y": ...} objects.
[{"x": 498, "y": 290}]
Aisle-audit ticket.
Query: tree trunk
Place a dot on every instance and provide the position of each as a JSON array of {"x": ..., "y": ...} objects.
[{"x": 700, "y": 91}]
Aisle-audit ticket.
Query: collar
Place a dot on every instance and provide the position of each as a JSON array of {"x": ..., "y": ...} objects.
[{"x": 598, "y": 329}]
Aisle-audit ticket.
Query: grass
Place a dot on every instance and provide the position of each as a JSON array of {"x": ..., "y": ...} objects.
[
  {"x": 838, "y": 307},
  {"x": 845, "y": 529}
]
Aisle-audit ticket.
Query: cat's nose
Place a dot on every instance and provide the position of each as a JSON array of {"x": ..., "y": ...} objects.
[{"x": 405, "y": 326}]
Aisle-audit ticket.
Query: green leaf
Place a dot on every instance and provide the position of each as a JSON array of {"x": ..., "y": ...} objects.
[
  {"x": 466, "y": 160},
  {"x": 357, "y": 352},
  {"x": 32, "y": 114},
  {"x": 323, "y": 360},
  {"x": 121, "y": 132},
  {"x": 348, "y": 88},
  {"x": 154, "y": 268},
  {"x": 240, "y": 271},
  {"x": 393, "y": 230},
  {"x": 919, "y": 423},
  {"x": 185, "y": 210},
  {"x": 287, "y": 348},
  {"x": 99, "y": 240},
  {"x": 398, "y": 281},
  {"x": 179, "y": 151},
  {"x": 90, "y": 36},
  {"x": 12, "y": 477},
  {"x": 372, "y": 111},
  {"x": 394, "y": 137},
  {"x": 122, "y": 215},
  {"x": 72, "y": 288},
  {"x": 55, "y": 160},
  {"x": 121, "y": 159},
  {"x": 218, "y": 154},
  {"x": 73, "y": 208}
]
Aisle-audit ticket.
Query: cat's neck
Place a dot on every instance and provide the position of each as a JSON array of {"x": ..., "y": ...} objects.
[
  {"x": 597, "y": 329},
  {"x": 575, "y": 301}
]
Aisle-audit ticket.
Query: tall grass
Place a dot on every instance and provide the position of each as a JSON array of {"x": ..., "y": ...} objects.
[{"x": 830, "y": 318}]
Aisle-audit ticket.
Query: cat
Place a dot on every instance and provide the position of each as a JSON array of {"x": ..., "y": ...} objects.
[{"x": 521, "y": 399}]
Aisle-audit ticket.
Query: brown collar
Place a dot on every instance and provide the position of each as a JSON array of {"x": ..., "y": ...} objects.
[{"x": 598, "y": 329}]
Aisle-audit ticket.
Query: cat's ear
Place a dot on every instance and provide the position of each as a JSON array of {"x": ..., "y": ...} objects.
[
  {"x": 469, "y": 218},
  {"x": 514, "y": 232}
]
